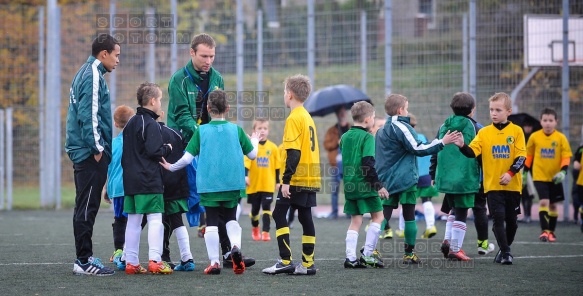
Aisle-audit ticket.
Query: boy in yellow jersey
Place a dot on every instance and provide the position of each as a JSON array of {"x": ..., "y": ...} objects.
[
  {"x": 503, "y": 151},
  {"x": 362, "y": 187},
  {"x": 579, "y": 181},
  {"x": 262, "y": 175},
  {"x": 547, "y": 157},
  {"x": 300, "y": 180}
]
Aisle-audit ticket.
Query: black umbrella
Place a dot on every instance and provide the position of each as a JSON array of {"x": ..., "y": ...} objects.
[
  {"x": 522, "y": 119},
  {"x": 329, "y": 99}
]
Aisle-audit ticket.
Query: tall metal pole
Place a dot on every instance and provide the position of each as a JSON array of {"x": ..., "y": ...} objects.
[
  {"x": 311, "y": 43},
  {"x": 53, "y": 97},
  {"x": 9, "y": 158},
  {"x": 151, "y": 56},
  {"x": 363, "y": 53},
  {"x": 473, "y": 63},
  {"x": 41, "y": 109},
  {"x": 174, "y": 46},
  {"x": 465, "y": 86},
  {"x": 565, "y": 98},
  {"x": 259, "y": 50},
  {"x": 57, "y": 118},
  {"x": 388, "y": 47},
  {"x": 239, "y": 54},
  {"x": 112, "y": 77}
]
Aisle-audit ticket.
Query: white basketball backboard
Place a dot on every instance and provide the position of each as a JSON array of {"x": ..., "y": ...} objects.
[{"x": 543, "y": 40}]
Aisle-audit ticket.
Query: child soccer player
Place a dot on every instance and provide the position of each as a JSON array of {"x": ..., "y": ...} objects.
[
  {"x": 503, "y": 152},
  {"x": 114, "y": 189},
  {"x": 548, "y": 155},
  {"x": 220, "y": 178},
  {"x": 300, "y": 180},
  {"x": 457, "y": 176},
  {"x": 143, "y": 147},
  {"x": 263, "y": 174},
  {"x": 425, "y": 190},
  {"x": 396, "y": 146},
  {"x": 362, "y": 187},
  {"x": 387, "y": 232},
  {"x": 176, "y": 192}
]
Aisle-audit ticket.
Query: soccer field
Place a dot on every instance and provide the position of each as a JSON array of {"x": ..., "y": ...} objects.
[{"x": 37, "y": 252}]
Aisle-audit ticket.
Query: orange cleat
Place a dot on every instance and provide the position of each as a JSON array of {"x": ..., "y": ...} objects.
[
  {"x": 459, "y": 256},
  {"x": 256, "y": 234},
  {"x": 213, "y": 269},
  {"x": 265, "y": 236},
  {"x": 135, "y": 269},
  {"x": 159, "y": 267}
]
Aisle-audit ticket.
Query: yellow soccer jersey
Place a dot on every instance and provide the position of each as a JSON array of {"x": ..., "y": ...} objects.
[
  {"x": 281, "y": 158},
  {"x": 300, "y": 134},
  {"x": 499, "y": 148},
  {"x": 262, "y": 168},
  {"x": 548, "y": 153}
]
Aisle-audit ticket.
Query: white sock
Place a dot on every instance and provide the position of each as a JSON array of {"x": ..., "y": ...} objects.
[
  {"x": 372, "y": 237},
  {"x": 239, "y": 210},
  {"x": 133, "y": 231},
  {"x": 234, "y": 233},
  {"x": 211, "y": 239},
  {"x": 448, "y": 225},
  {"x": 401, "y": 220},
  {"x": 351, "y": 241},
  {"x": 458, "y": 232},
  {"x": 155, "y": 236},
  {"x": 429, "y": 212},
  {"x": 183, "y": 243}
]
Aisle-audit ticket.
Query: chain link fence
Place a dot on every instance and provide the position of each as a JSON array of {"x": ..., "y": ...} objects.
[{"x": 427, "y": 58}]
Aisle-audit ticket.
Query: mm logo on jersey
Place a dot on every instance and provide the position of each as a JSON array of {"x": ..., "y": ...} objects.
[
  {"x": 263, "y": 162},
  {"x": 500, "y": 151},
  {"x": 547, "y": 153}
]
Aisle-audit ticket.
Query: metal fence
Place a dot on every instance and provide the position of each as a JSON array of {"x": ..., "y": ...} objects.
[{"x": 430, "y": 53}]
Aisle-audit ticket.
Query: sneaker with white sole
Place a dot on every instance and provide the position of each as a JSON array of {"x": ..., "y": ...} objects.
[
  {"x": 279, "y": 267},
  {"x": 92, "y": 267},
  {"x": 302, "y": 270},
  {"x": 489, "y": 248}
]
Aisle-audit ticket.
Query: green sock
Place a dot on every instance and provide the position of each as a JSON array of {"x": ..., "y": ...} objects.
[
  {"x": 410, "y": 232},
  {"x": 383, "y": 224}
]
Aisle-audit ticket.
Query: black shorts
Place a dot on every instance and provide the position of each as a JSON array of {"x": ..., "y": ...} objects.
[
  {"x": 300, "y": 198},
  {"x": 259, "y": 196},
  {"x": 549, "y": 190},
  {"x": 504, "y": 201}
]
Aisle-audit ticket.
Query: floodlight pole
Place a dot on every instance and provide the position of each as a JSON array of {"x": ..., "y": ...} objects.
[
  {"x": 565, "y": 99},
  {"x": 311, "y": 43},
  {"x": 388, "y": 47},
  {"x": 473, "y": 53}
]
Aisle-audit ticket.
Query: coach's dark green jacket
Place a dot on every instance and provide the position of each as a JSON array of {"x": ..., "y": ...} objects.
[
  {"x": 183, "y": 106},
  {"x": 89, "y": 130}
]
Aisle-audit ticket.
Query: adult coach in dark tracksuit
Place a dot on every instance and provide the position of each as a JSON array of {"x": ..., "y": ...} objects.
[
  {"x": 188, "y": 90},
  {"x": 88, "y": 144}
]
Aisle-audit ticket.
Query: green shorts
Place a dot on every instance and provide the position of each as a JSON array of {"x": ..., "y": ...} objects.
[
  {"x": 362, "y": 206},
  {"x": 143, "y": 203},
  {"x": 463, "y": 201},
  {"x": 407, "y": 197},
  {"x": 175, "y": 206},
  {"x": 428, "y": 191},
  {"x": 225, "y": 199}
]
